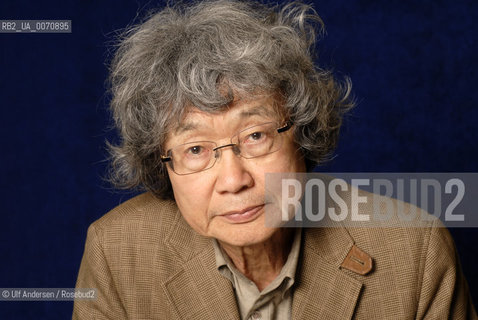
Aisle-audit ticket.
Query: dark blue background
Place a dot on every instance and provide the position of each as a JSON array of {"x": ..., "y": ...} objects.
[{"x": 413, "y": 65}]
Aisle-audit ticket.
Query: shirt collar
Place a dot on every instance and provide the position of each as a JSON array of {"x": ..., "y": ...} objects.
[{"x": 225, "y": 266}]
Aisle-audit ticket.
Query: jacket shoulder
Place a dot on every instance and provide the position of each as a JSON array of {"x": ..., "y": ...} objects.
[
  {"x": 127, "y": 258},
  {"x": 145, "y": 205},
  {"x": 144, "y": 213}
]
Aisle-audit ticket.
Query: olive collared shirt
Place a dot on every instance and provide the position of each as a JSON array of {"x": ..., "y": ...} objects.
[{"x": 275, "y": 301}]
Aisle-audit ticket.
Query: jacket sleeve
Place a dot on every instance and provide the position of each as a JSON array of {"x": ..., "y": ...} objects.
[
  {"x": 444, "y": 292},
  {"x": 95, "y": 274}
]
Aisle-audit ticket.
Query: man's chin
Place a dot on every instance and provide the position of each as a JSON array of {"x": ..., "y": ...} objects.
[{"x": 244, "y": 236}]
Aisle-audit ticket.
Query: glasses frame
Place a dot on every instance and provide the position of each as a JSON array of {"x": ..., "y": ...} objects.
[{"x": 168, "y": 158}]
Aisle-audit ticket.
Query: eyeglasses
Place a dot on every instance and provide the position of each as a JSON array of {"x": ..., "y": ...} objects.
[{"x": 249, "y": 143}]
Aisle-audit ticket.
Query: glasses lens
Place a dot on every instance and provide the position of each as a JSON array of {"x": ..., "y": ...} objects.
[
  {"x": 193, "y": 157},
  {"x": 259, "y": 140}
]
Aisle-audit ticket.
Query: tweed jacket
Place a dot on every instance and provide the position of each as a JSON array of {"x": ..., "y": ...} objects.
[{"x": 147, "y": 263}]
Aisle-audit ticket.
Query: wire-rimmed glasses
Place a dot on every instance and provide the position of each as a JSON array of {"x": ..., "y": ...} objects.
[{"x": 252, "y": 142}]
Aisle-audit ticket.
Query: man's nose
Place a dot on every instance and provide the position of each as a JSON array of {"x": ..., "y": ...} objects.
[{"x": 232, "y": 176}]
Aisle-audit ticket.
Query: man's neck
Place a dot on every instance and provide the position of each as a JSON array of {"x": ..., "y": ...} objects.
[{"x": 262, "y": 262}]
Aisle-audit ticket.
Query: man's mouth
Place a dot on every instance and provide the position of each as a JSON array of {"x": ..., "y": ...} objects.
[{"x": 244, "y": 215}]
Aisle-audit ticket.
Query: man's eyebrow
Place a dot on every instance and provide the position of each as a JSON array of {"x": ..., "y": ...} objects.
[
  {"x": 186, "y": 126},
  {"x": 256, "y": 111}
]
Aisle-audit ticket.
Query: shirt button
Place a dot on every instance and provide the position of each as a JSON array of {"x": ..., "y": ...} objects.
[{"x": 256, "y": 315}]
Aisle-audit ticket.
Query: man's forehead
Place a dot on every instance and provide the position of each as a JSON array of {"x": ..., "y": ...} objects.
[{"x": 195, "y": 119}]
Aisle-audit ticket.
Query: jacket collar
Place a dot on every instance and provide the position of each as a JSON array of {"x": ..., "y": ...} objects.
[
  {"x": 197, "y": 290},
  {"x": 322, "y": 288}
]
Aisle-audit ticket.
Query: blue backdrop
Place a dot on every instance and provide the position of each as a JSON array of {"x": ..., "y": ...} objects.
[{"x": 412, "y": 63}]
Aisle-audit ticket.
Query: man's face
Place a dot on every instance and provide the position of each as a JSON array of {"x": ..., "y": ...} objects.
[{"x": 227, "y": 201}]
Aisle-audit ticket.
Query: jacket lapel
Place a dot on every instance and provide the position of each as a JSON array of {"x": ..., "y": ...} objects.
[
  {"x": 324, "y": 291},
  {"x": 198, "y": 290}
]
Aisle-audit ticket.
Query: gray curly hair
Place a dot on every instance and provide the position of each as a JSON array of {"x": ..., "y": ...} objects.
[{"x": 184, "y": 56}]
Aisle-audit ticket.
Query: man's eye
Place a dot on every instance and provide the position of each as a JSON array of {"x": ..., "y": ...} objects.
[
  {"x": 196, "y": 150},
  {"x": 255, "y": 137}
]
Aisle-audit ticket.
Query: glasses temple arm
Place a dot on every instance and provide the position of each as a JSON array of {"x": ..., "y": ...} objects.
[{"x": 286, "y": 127}]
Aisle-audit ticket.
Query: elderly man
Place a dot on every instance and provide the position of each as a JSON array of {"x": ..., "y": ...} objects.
[{"x": 208, "y": 99}]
